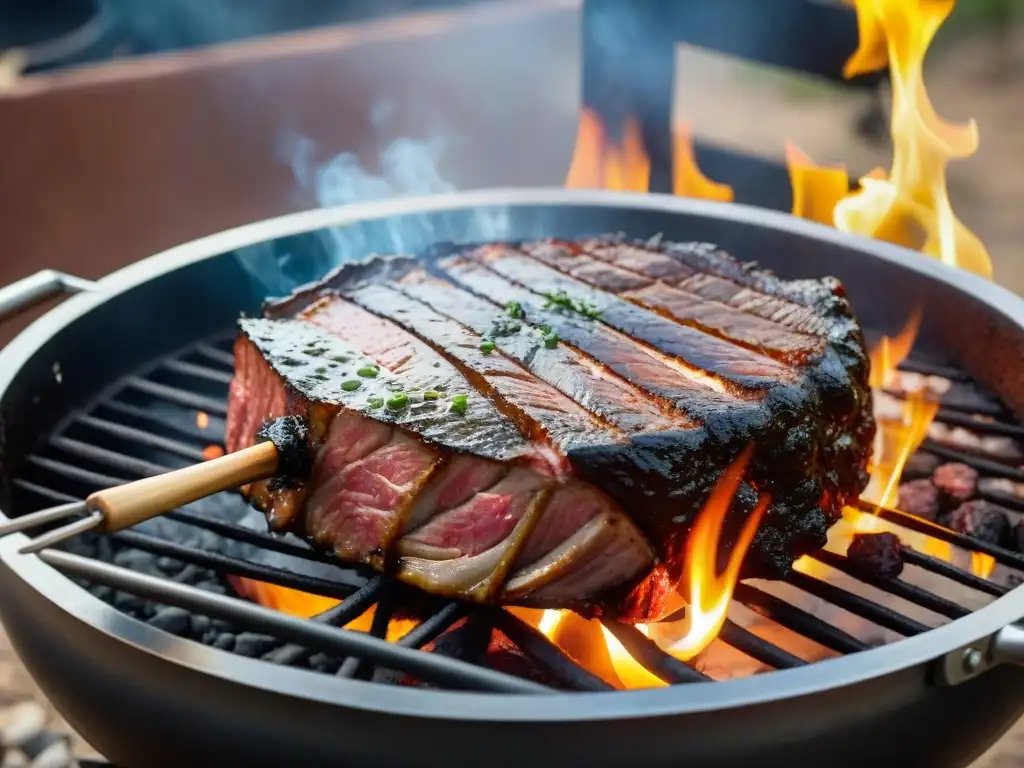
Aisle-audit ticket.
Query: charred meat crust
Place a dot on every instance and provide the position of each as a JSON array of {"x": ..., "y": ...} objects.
[{"x": 812, "y": 431}]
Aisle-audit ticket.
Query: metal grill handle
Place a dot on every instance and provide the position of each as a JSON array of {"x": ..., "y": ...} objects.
[{"x": 31, "y": 290}]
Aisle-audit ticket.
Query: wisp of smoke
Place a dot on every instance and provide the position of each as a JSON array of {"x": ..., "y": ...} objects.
[{"x": 408, "y": 167}]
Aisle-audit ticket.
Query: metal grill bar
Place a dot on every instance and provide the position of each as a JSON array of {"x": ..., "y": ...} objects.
[
  {"x": 985, "y": 466},
  {"x": 358, "y": 592},
  {"x": 897, "y": 587},
  {"x": 651, "y": 657},
  {"x": 432, "y": 668},
  {"x": 339, "y": 589},
  {"x": 959, "y": 419},
  {"x": 798, "y": 620},
  {"x": 912, "y": 365}
]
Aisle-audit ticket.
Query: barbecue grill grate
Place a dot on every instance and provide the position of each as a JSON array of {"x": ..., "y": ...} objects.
[{"x": 163, "y": 417}]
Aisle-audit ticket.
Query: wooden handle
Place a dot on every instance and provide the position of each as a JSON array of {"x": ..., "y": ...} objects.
[{"x": 126, "y": 505}]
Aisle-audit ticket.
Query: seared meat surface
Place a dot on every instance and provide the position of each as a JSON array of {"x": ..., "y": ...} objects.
[{"x": 540, "y": 423}]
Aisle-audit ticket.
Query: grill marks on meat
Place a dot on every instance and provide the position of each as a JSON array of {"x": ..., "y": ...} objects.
[{"x": 521, "y": 499}]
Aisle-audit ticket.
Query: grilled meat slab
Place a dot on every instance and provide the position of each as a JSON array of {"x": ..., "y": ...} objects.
[{"x": 540, "y": 423}]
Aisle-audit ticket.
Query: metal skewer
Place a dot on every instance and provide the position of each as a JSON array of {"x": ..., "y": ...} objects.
[{"x": 120, "y": 507}]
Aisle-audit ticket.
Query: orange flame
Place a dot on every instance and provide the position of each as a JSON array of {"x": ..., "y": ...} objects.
[
  {"x": 816, "y": 189},
  {"x": 687, "y": 179},
  {"x": 911, "y": 207},
  {"x": 708, "y": 592},
  {"x": 599, "y": 163},
  {"x": 890, "y": 352}
]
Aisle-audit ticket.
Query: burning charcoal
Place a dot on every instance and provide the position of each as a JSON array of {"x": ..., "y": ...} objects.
[
  {"x": 225, "y": 641},
  {"x": 253, "y": 645},
  {"x": 876, "y": 554},
  {"x": 173, "y": 620},
  {"x": 956, "y": 483},
  {"x": 982, "y": 520},
  {"x": 921, "y": 465},
  {"x": 919, "y": 498}
]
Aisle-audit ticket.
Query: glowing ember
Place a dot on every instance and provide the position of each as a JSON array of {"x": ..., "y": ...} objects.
[
  {"x": 982, "y": 564},
  {"x": 202, "y": 419},
  {"x": 687, "y": 179},
  {"x": 213, "y": 452},
  {"x": 911, "y": 207},
  {"x": 816, "y": 189},
  {"x": 707, "y": 592},
  {"x": 598, "y": 163}
]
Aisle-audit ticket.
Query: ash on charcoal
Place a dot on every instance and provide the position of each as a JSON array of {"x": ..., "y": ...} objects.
[
  {"x": 919, "y": 498},
  {"x": 876, "y": 555},
  {"x": 956, "y": 483},
  {"x": 921, "y": 465},
  {"x": 173, "y": 620},
  {"x": 982, "y": 520}
]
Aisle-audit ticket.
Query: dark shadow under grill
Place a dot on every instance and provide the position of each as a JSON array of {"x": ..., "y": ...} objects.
[{"x": 173, "y": 572}]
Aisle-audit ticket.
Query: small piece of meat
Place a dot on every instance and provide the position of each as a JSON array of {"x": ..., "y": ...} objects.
[
  {"x": 876, "y": 555},
  {"x": 921, "y": 466},
  {"x": 981, "y": 520},
  {"x": 956, "y": 483},
  {"x": 919, "y": 498},
  {"x": 541, "y": 423}
]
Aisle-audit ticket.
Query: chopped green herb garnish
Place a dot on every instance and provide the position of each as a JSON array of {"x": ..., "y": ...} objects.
[
  {"x": 367, "y": 372},
  {"x": 560, "y": 301},
  {"x": 431, "y": 394},
  {"x": 351, "y": 385},
  {"x": 487, "y": 347},
  {"x": 397, "y": 401},
  {"x": 375, "y": 402},
  {"x": 515, "y": 310},
  {"x": 459, "y": 404},
  {"x": 340, "y": 359},
  {"x": 545, "y": 329},
  {"x": 551, "y": 340},
  {"x": 321, "y": 369}
]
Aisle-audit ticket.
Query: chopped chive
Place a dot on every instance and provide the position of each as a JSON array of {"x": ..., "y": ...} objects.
[
  {"x": 351, "y": 385},
  {"x": 514, "y": 309},
  {"x": 430, "y": 394},
  {"x": 340, "y": 359},
  {"x": 321, "y": 369},
  {"x": 551, "y": 340},
  {"x": 367, "y": 372},
  {"x": 375, "y": 402},
  {"x": 397, "y": 401},
  {"x": 459, "y": 403},
  {"x": 487, "y": 347},
  {"x": 545, "y": 329}
]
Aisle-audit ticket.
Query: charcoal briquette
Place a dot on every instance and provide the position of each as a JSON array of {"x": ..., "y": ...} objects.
[
  {"x": 253, "y": 645},
  {"x": 876, "y": 554},
  {"x": 190, "y": 574},
  {"x": 169, "y": 565},
  {"x": 136, "y": 560},
  {"x": 212, "y": 586},
  {"x": 1018, "y": 536},
  {"x": 209, "y": 636},
  {"x": 321, "y": 662},
  {"x": 103, "y": 592},
  {"x": 199, "y": 624},
  {"x": 173, "y": 620},
  {"x": 919, "y": 498},
  {"x": 41, "y": 742},
  {"x": 127, "y": 602},
  {"x": 225, "y": 641},
  {"x": 956, "y": 483},
  {"x": 921, "y": 465},
  {"x": 981, "y": 520}
]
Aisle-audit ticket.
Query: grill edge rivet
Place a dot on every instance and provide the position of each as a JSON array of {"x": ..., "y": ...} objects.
[{"x": 972, "y": 660}]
